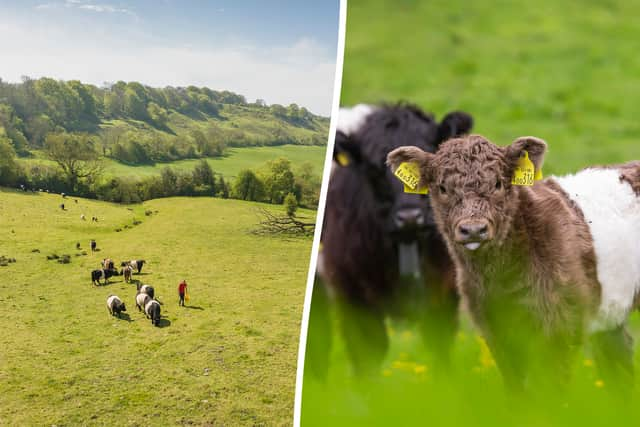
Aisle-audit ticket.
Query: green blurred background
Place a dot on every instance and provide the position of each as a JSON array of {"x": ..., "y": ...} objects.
[{"x": 565, "y": 71}]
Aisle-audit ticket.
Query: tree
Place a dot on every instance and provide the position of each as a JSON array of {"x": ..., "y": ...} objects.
[
  {"x": 223, "y": 188},
  {"x": 248, "y": 186},
  {"x": 76, "y": 156},
  {"x": 291, "y": 205},
  {"x": 169, "y": 181},
  {"x": 8, "y": 166},
  {"x": 279, "y": 180},
  {"x": 157, "y": 114},
  {"x": 203, "y": 174},
  {"x": 307, "y": 185}
]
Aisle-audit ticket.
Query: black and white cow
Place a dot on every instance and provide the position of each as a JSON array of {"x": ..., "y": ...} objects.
[
  {"x": 137, "y": 264},
  {"x": 152, "y": 310},
  {"x": 146, "y": 289},
  {"x": 96, "y": 275},
  {"x": 108, "y": 264},
  {"x": 115, "y": 305},
  {"x": 141, "y": 300}
]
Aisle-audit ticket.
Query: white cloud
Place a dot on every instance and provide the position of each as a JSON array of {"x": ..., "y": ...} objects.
[
  {"x": 86, "y": 5},
  {"x": 302, "y": 72}
]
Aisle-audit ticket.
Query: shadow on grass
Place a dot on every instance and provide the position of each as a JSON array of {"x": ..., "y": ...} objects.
[
  {"x": 163, "y": 323},
  {"x": 193, "y": 307},
  {"x": 124, "y": 316}
]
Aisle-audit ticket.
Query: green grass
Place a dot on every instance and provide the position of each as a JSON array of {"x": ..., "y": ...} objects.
[
  {"x": 65, "y": 361},
  {"x": 563, "y": 71},
  {"x": 236, "y": 160},
  {"x": 409, "y": 391}
]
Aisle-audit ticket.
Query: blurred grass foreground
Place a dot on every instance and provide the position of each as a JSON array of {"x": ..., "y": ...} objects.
[{"x": 567, "y": 72}]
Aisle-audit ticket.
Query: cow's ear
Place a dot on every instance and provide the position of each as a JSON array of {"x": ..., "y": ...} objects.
[
  {"x": 346, "y": 151},
  {"x": 454, "y": 124},
  {"x": 535, "y": 148},
  {"x": 415, "y": 155}
]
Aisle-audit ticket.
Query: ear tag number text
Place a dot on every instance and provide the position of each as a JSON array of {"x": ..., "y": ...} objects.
[
  {"x": 524, "y": 173},
  {"x": 409, "y": 174}
]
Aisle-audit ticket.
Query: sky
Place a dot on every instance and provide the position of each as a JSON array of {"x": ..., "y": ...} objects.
[{"x": 282, "y": 51}]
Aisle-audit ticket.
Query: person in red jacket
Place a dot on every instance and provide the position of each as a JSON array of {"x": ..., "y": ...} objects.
[{"x": 182, "y": 290}]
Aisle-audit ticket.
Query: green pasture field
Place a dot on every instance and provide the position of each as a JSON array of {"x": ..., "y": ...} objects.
[
  {"x": 236, "y": 160},
  {"x": 563, "y": 71},
  {"x": 566, "y": 72},
  {"x": 228, "y": 358}
]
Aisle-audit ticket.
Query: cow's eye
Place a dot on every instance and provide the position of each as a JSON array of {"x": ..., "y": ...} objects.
[
  {"x": 498, "y": 184},
  {"x": 442, "y": 189}
]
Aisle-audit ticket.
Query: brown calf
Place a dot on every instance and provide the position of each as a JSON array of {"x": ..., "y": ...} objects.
[{"x": 538, "y": 266}]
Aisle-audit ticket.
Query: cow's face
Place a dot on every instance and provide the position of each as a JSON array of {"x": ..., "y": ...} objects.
[
  {"x": 470, "y": 182},
  {"x": 403, "y": 213},
  {"x": 123, "y": 307}
]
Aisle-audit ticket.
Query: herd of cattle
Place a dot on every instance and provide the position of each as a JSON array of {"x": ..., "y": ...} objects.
[
  {"x": 145, "y": 295},
  {"x": 541, "y": 267}
]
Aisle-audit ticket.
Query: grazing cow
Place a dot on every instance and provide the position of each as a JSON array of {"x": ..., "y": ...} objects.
[
  {"x": 152, "y": 310},
  {"x": 141, "y": 300},
  {"x": 382, "y": 255},
  {"x": 146, "y": 289},
  {"x": 96, "y": 275},
  {"x": 127, "y": 271},
  {"x": 62, "y": 206},
  {"x": 136, "y": 264},
  {"x": 93, "y": 245},
  {"x": 115, "y": 305},
  {"x": 538, "y": 265},
  {"x": 82, "y": 217},
  {"x": 108, "y": 263}
]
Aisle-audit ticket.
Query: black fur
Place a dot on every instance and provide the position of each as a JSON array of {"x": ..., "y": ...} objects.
[
  {"x": 116, "y": 307},
  {"x": 153, "y": 312},
  {"x": 96, "y": 275},
  {"x": 361, "y": 234}
]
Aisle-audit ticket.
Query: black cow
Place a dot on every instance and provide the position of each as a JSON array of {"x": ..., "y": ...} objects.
[
  {"x": 152, "y": 310},
  {"x": 93, "y": 245},
  {"x": 382, "y": 255},
  {"x": 115, "y": 305},
  {"x": 96, "y": 275}
]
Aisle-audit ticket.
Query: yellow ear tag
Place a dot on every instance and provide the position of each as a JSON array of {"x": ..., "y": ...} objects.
[
  {"x": 524, "y": 172},
  {"x": 409, "y": 174},
  {"x": 418, "y": 190},
  {"x": 343, "y": 159},
  {"x": 538, "y": 176}
]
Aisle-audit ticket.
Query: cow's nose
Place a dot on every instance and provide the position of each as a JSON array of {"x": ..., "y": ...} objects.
[
  {"x": 473, "y": 230},
  {"x": 408, "y": 217}
]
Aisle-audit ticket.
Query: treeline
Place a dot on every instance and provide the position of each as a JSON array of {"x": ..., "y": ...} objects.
[
  {"x": 138, "y": 124},
  {"x": 78, "y": 171}
]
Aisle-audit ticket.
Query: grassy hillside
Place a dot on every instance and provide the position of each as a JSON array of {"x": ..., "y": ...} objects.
[
  {"x": 234, "y": 161},
  {"x": 563, "y": 71},
  {"x": 227, "y": 359}
]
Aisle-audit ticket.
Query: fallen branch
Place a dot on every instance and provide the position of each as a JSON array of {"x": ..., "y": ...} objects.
[{"x": 271, "y": 223}]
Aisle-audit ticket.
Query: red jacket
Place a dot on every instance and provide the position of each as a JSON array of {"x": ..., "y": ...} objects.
[{"x": 182, "y": 287}]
